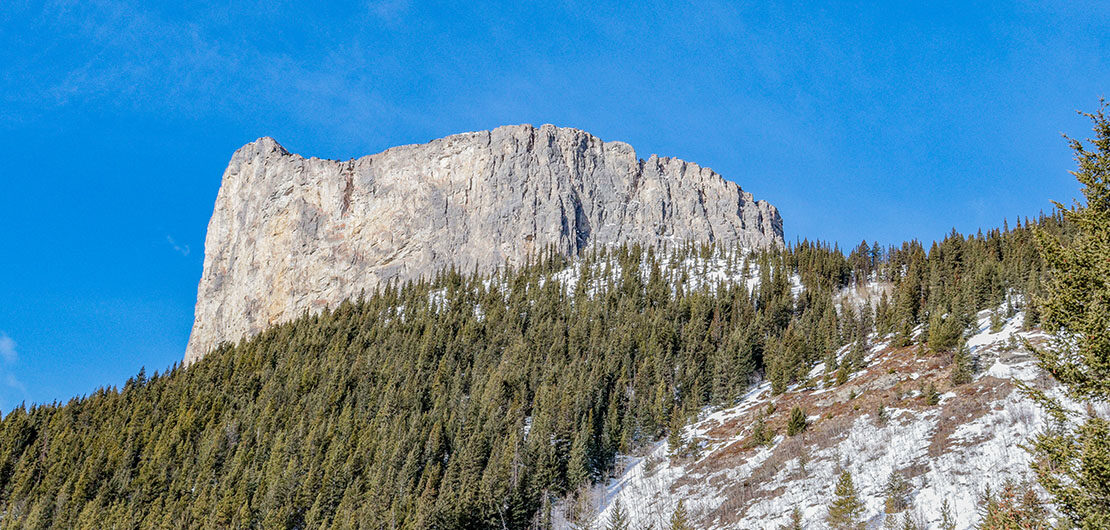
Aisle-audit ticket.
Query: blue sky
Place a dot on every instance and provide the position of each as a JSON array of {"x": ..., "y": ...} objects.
[{"x": 858, "y": 121}]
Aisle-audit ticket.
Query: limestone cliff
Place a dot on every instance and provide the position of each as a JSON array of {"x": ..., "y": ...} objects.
[{"x": 291, "y": 234}]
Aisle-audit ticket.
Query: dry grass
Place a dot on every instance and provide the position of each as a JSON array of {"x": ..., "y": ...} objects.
[
  {"x": 972, "y": 402},
  {"x": 894, "y": 379}
]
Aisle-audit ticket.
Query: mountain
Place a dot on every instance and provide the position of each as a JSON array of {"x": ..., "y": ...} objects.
[{"x": 291, "y": 234}]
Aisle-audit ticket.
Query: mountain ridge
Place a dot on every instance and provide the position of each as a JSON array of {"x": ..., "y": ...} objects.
[{"x": 291, "y": 234}]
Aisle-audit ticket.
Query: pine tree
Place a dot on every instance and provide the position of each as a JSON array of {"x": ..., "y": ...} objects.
[
  {"x": 797, "y": 422},
  {"x": 882, "y": 415},
  {"x": 847, "y": 508},
  {"x": 947, "y": 520},
  {"x": 896, "y": 493},
  {"x": 908, "y": 522},
  {"x": 578, "y": 465},
  {"x": 932, "y": 397},
  {"x": 943, "y": 332},
  {"x": 795, "y": 520},
  {"x": 618, "y": 520},
  {"x": 1072, "y": 460},
  {"x": 962, "y": 370},
  {"x": 760, "y": 435},
  {"x": 675, "y": 440},
  {"x": 680, "y": 520},
  {"x": 1016, "y": 506}
]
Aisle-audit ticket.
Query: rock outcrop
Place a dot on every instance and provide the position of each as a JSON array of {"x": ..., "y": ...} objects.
[{"x": 291, "y": 234}]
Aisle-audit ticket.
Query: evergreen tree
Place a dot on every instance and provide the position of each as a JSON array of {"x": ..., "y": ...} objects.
[
  {"x": 996, "y": 322},
  {"x": 1072, "y": 459},
  {"x": 908, "y": 523},
  {"x": 797, "y": 422},
  {"x": 962, "y": 370},
  {"x": 944, "y": 333},
  {"x": 882, "y": 415},
  {"x": 675, "y": 441},
  {"x": 680, "y": 520},
  {"x": 947, "y": 520},
  {"x": 618, "y": 520},
  {"x": 578, "y": 465},
  {"x": 760, "y": 434},
  {"x": 846, "y": 509},
  {"x": 896, "y": 493},
  {"x": 1016, "y": 506},
  {"x": 795, "y": 520},
  {"x": 930, "y": 394}
]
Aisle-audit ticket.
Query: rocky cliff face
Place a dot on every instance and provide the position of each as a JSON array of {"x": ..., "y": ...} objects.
[{"x": 291, "y": 234}]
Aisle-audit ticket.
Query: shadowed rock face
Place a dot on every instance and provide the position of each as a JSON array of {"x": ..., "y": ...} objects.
[{"x": 291, "y": 234}]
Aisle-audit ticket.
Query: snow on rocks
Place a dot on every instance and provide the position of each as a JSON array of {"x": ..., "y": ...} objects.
[{"x": 950, "y": 452}]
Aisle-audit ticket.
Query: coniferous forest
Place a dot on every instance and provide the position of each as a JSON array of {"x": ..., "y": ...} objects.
[{"x": 475, "y": 400}]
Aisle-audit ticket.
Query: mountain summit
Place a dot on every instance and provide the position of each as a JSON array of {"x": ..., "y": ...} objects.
[{"x": 291, "y": 234}]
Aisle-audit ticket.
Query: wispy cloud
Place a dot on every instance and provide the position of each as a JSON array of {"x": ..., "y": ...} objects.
[
  {"x": 12, "y": 382},
  {"x": 123, "y": 55},
  {"x": 9, "y": 383},
  {"x": 7, "y": 348},
  {"x": 391, "y": 11},
  {"x": 180, "y": 249}
]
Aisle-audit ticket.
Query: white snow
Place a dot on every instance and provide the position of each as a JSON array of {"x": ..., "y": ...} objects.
[{"x": 980, "y": 452}]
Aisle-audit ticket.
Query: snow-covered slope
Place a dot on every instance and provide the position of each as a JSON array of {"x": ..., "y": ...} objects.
[{"x": 949, "y": 451}]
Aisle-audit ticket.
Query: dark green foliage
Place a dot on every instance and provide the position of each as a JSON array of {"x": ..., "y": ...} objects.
[
  {"x": 618, "y": 520},
  {"x": 1072, "y": 458},
  {"x": 944, "y": 333},
  {"x": 761, "y": 435},
  {"x": 962, "y": 366},
  {"x": 797, "y": 422},
  {"x": 1078, "y": 300},
  {"x": 846, "y": 509},
  {"x": 909, "y": 523},
  {"x": 996, "y": 322},
  {"x": 882, "y": 415},
  {"x": 461, "y": 402}
]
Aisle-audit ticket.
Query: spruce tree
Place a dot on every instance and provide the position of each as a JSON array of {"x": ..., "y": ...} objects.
[
  {"x": 1072, "y": 459},
  {"x": 797, "y": 423},
  {"x": 947, "y": 520},
  {"x": 932, "y": 397},
  {"x": 578, "y": 464},
  {"x": 795, "y": 520},
  {"x": 846, "y": 509},
  {"x": 1016, "y": 506},
  {"x": 962, "y": 369},
  {"x": 908, "y": 522},
  {"x": 896, "y": 491},
  {"x": 618, "y": 520},
  {"x": 680, "y": 520},
  {"x": 760, "y": 435}
]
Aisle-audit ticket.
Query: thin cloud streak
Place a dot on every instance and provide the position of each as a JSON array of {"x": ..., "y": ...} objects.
[
  {"x": 7, "y": 348},
  {"x": 8, "y": 381},
  {"x": 133, "y": 58},
  {"x": 180, "y": 249}
]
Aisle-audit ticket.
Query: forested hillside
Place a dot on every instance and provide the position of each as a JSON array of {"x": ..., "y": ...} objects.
[{"x": 476, "y": 400}]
